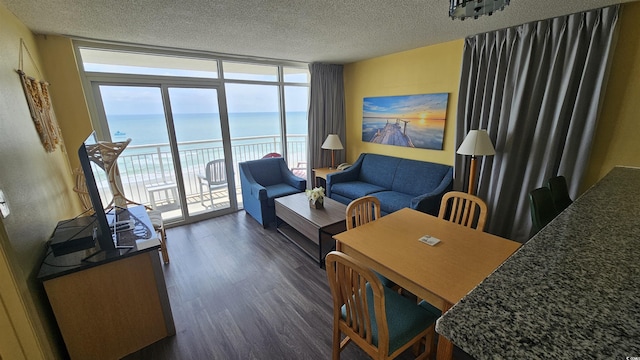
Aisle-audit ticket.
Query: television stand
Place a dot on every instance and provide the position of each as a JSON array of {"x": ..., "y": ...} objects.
[{"x": 113, "y": 305}]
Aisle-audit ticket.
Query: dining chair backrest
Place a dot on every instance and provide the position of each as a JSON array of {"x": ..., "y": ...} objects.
[
  {"x": 361, "y": 306},
  {"x": 362, "y": 210},
  {"x": 559, "y": 192},
  {"x": 464, "y": 209},
  {"x": 543, "y": 210}
]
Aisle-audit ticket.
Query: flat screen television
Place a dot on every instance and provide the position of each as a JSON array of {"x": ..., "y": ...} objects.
[{"x": 103, "y": 230}]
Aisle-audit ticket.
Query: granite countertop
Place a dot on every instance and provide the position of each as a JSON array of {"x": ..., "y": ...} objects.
[{"x": 572, "y": 291}]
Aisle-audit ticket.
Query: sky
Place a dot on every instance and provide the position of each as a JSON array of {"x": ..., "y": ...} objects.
[
  {"x": 423, "y": 106},
  {"x": 120, "y": 100}
]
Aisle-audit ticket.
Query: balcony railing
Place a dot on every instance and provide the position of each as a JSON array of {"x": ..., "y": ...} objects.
[{"x": 145, "y": 166}]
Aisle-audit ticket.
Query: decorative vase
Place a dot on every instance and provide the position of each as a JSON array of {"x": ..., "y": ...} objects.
[{"x": 316, "y": 205}]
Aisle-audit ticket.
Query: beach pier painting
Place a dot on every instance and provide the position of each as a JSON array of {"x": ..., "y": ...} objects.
[{"x": 407, "y": 120}]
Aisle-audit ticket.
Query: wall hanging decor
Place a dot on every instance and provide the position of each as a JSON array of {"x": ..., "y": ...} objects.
[
  {"x": 409, "y": 120},
  {"x": 40, "y": 107}
]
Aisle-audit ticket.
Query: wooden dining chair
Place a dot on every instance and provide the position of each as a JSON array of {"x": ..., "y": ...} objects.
[
  {"x": 559, "y": 192},
  {"x": 362, "y": 210},
  {"x": 381, "y": 322},
  {"x": 464, "y": 209}
]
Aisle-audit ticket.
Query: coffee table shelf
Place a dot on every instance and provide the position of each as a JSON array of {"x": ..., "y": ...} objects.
[
  {"x": 310, "y": 229},
  {"x": 304, "y": 243}
]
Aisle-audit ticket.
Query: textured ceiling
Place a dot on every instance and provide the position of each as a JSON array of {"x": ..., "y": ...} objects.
[{"x": 336, "y": 31}]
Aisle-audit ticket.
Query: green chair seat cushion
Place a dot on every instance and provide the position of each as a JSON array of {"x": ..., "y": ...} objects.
[
  {"x": 430, "y": 308},
  {"x": 405, "y": 318},
  {"x": 385, "y": 282}
]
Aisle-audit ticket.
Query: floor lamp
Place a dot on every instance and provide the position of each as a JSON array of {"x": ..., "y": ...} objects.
[
  {"x": 476, "y": 143},
  {"x": 332, "y": 143}
]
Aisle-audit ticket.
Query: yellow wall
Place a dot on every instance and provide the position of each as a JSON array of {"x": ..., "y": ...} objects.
[
  {"x": 427, "y": 70},
  {"x": 71, "y": 107},
  {"x": 616, "y": 141},
  {"x": 38, "y": 188}
]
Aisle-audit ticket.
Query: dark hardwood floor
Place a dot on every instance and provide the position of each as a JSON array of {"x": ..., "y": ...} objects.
[{"x": 239, "y": 291}]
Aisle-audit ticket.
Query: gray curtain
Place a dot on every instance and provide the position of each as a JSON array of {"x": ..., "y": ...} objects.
[
  {"x": 326, "y": 112},
  {"x": 537, "y": 89}
]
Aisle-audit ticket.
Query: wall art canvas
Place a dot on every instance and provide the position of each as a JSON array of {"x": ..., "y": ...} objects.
[{"x": 409, "y": 120}]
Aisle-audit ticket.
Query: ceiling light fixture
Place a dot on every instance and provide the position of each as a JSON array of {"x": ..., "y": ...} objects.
[{"x": 462, "y": 9}]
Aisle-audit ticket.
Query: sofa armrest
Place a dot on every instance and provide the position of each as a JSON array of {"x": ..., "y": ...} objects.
[
  {"x": 256, "y": 190},
  {"x": 289, "y": 178},
  {"x": 430, "y": 202},
  {"x": 295, "y": 181},
  {"x": 350, "y": 174}
]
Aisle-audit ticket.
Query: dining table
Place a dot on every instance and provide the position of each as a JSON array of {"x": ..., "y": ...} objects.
[
  {"x": 441, "y": 273},
  {"x": 572, "y": 291}
]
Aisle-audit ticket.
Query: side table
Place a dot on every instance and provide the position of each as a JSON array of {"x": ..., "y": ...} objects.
[{"x": 321, "y": 173}]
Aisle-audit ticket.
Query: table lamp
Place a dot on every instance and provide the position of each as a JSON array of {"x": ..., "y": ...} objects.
[
  {"x": 476, "y": 143},
  {"x": 332, "y": 143}
]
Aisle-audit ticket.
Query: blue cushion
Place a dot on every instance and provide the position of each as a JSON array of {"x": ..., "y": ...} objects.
[
  {"x": 354, "y": 189},
  {"x": 279, "y": 190},
  {"x": 385, "y": 282},
  {"x": 266, "y": 171},
  {"x": 404, "y": 318},
  {"x": 418, "y": 177},
  {"x": 379, "y": 170},
  {"x": 391, "y": 201},
  {"x": 430, "y": 308}
]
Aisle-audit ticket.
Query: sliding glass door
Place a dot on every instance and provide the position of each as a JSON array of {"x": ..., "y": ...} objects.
[{"x": 176, "y": 161}]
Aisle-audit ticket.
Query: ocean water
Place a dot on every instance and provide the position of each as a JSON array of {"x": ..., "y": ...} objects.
[{"x": 152, "y": 128}]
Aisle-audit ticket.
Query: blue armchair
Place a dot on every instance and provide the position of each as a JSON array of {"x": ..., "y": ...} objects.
[{"x": 264, "y": 180}]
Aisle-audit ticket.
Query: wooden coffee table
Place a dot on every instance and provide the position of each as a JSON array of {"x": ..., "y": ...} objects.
[{"x": 311, "y": 229}]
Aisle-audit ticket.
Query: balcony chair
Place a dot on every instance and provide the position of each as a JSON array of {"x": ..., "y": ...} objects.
[
  {"x": 263, "y": 181},
  {"x": 464, "y": 209},
  {"x": 300, "y": 170},
  {"x": 215, "y": 178},
  {"x": 272, "y": 155},
  {"x": 543, "y": 210},
  {"x": 381, "y": 322},
  {"x": 559, "y": 192}
]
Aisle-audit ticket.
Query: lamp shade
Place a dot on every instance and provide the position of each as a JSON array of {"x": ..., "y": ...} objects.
[
  {"x": 461, "y": 9},
  {"x": 332, "y": 143},
  {"x": 477, "y": 143}
]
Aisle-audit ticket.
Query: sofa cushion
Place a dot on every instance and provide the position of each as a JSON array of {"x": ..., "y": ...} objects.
[
  {"x": 391, "y": 201},
  {"x": 418, "y": 177},
  {"x": 355, "y": 189},
  {"x": 279, "y": 190},
  {"x": 378, "y": 170}
]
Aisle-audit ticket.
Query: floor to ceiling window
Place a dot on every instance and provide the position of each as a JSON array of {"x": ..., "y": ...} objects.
[{"x": 191, "y": 119}]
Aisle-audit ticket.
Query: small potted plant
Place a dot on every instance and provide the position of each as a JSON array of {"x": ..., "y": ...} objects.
[{"x": 316, "y": 197}]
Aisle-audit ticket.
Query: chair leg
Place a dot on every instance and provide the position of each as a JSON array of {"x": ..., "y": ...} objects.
[
  {"x": 201, "y": 196},
  {"x": 211, "y": 197},
  {"x": 337, "y": 346},
  {"x": 163, "y": 245}
]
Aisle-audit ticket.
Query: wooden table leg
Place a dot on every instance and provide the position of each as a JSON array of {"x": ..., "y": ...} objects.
[{"x": 445, "y": 347}]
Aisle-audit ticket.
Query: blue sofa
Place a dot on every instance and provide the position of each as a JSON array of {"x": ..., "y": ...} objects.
[
  {"x": 262, "y": 182},
  {"x": 396, "y": 182}
]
